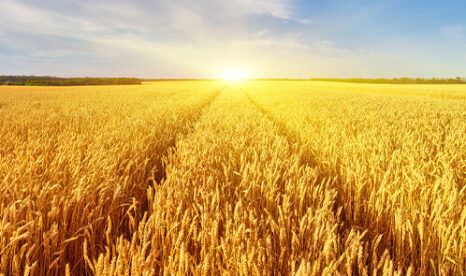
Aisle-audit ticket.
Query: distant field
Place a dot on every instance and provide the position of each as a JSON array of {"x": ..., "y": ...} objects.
[{"x": 240, "y": 178}]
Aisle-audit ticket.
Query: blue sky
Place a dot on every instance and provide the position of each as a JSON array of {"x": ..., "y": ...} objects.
[{"x": 273, "y": 38}]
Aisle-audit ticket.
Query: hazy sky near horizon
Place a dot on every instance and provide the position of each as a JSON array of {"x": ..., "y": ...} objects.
[{"x": 203, "y": 38}]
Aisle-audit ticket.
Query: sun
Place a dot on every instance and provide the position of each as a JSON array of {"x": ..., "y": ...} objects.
[{"x": 234, "y": 75}]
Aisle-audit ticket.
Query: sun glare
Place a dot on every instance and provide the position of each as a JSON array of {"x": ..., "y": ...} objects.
[{"x": 235, "y": 75}]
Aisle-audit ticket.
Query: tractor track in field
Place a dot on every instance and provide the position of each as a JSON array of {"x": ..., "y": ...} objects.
[
  {"x": 309, "y": 159},
  {"x": 157, "y": 174},
  {"x": 161, "y": 173}
]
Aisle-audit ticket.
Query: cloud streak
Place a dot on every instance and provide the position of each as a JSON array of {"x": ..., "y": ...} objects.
[
  {"x": 455, "y": 31},
  {"x": 122, "y": 29},
  {"x": 185, "y": 38}
]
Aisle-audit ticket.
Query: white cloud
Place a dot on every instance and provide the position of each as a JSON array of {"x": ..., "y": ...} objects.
[
  {"x": 330, "y": 47},
  {"x": 454, "y": 31},
  {"x": 176, "y": 33},
  {"x": 168, "y": 21},
  {"x": 165, "y": 38}
]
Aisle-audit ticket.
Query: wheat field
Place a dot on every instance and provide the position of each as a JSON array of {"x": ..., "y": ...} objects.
[{"x": 244, "y": 178}]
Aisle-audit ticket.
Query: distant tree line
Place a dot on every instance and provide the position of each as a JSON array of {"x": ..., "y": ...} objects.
[
  {"x": 457, "y": 80},
  {"x": 54, "y": 81}
]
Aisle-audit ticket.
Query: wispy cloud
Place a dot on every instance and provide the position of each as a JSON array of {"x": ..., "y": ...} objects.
[
  {"x": 454, "y": 31},
  {"x": 161, "y": 19},
  {"x": 186, "y": 38},
  {"x": 123, "y": 30}
]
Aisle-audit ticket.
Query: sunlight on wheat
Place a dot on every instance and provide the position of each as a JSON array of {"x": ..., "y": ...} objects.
[{"x": 256, "y": 178}]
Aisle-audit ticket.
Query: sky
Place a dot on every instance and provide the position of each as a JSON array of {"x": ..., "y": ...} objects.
[{"x": 206, "y": 38}]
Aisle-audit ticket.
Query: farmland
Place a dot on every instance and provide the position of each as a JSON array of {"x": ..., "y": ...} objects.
[{"x": 233, "y": 178}]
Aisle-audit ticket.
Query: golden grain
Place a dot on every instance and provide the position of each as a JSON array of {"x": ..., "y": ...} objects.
[{"x": 261, "y": 178}]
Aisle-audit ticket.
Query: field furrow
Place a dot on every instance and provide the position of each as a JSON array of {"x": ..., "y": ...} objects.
[
  {"x": 352, "y": 236},
  {"x": 236, "y": 200},
  {"x": 233, "y": 178},
  {"x": 75, "y": 172},
  {"x": 369, "y": 144}
]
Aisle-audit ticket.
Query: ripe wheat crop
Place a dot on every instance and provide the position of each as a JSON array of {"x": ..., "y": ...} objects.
[{"x": 252, "y": 178}]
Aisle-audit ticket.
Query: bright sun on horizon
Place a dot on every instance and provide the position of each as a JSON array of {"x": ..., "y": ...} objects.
[{"x": 235, "y": 75}]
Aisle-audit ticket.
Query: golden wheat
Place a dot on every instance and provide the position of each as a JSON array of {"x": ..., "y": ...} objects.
[
  {"x": 259, "y": 178},
  {"x": 399, "y": 161}
]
